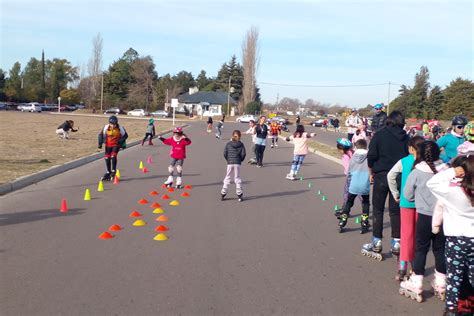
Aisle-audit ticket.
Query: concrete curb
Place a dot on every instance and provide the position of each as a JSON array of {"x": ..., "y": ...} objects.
[
  {"x": 320, "y": 154},
  {"x": 44, "y": 174}
]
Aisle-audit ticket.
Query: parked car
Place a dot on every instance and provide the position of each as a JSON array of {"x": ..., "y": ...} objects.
[
  {"x": 3, "y": 106},
  {"x": 113, "y": 111},
  {"x": 159, "y": 113},
  {"x": 280, "y": 120},
  {"x": 317, "y": 123},
  {"x": 138, "y": 112},
  {"x": 245, "y": 118},
  {"x": 30, "y": 107}
]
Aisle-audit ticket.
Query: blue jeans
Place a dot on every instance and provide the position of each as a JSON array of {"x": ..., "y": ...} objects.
[{"x": 297, "y": 162}]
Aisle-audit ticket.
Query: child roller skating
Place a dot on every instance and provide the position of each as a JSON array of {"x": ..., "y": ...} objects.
[
  {"x": 234, "y": 153},
  {"x": 344, "y": 146},
  {"x": 114, "y": 137},
  {"x": 150, "y": 132},
  {"x": 300, "y": 140},
  {"x": 359, "y": 185},
  {"x": 251, "y": 131},
  {"x": 178, "y": 143},
  {"x": 275, "y": 130}
]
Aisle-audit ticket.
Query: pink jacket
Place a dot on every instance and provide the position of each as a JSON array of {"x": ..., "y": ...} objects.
[
  {"x": 178, "y": 146},
  {"x": 346, "y": 160},
  {"x": 301, "y": 143}
]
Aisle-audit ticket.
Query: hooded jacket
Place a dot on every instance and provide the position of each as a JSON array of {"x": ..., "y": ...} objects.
[
  {"x": 388, "y": 146},
  {"x": 450, "y": 143},
  {"x": 359, "y": 173},
  {"x": 417, "y": 190},
  {"x": 378, "y": 121},
  {"x": 234, "y": 152}
]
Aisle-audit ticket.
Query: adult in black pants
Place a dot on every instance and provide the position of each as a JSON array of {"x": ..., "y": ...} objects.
[
  {"x": 261, "y": 131},
  {"x": 387, "y": 146}
]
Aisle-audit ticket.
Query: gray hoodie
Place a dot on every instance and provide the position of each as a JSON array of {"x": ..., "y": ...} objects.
[{"x": 416, "y": 189}]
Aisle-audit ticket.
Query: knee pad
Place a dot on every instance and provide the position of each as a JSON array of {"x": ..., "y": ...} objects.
[
  {"x": 170, "y": 169},
  {"x": 179, "y": 169}
]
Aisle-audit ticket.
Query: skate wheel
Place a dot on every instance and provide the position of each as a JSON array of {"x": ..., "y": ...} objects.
[{"x": 401, "y": 291}]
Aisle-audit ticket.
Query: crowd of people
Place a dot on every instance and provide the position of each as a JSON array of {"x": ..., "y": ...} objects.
[{"x": 430, "y": 190}]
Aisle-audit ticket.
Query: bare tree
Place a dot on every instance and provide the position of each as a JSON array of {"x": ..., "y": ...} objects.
[
  {"x": 141, "y": 91},
  {"x": 250, "y": 61},
  {"x": 95, "y": 69}
]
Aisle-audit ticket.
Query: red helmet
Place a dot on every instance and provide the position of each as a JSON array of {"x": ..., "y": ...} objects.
[{"x": 178, "y": 130}]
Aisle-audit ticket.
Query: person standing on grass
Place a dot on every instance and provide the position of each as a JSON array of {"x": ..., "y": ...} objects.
[{"x": 63, "y": 130}]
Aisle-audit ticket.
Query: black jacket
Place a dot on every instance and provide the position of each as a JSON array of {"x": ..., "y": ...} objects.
[
  {"x": 234, "y": 152},
  {"x": 387, "y": 146},
  {"x": 261, "y": 131},
  {"x": 378, "y": 121},
  {"x": 66, "y": 126}
]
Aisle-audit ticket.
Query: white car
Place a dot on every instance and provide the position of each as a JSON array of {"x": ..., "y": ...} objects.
[
  {"x": 138, "y": 112},
  {"x": 245, "y": 118},
  {"x": 30, "y": 107}
]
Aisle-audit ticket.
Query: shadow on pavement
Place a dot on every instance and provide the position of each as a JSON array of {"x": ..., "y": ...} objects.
[
  {"x": 274, "y": 194},
  {"x": 31, "y": 216},
  {"x": 157, "y": 176},
  {"x": 216, "y": 183},
  {"x": 327, "y": 176}
]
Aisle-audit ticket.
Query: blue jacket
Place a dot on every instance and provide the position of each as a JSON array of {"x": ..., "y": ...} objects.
[
  {"x": 359, "y": 173},
  {"x": 450, "y": 143}
]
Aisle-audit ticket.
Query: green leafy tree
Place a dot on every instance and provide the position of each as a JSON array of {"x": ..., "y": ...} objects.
[
  {"x": 459, "y": 98},
  {"x": 32, "y": 81},
  {"x": 69, "y": 96},
  {"x": 253, "y": 107},
  {"x": 2, "y": 85},
  {"x": 165, "y": 87},
  {"x": 202, "y": 80},
  {"x": 13, "y": 83},
  {"x": 184, "y": 80},
  {"x": 434, "y": 105},
  {"x": 61, "y": 73}
]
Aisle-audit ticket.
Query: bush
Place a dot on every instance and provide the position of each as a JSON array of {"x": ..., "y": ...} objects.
[{"x": 253, "y": 107}]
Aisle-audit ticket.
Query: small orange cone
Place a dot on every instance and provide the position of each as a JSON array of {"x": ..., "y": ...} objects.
[
  {"x": 115, "y": 228},
  {"x": 116, "y": 180},
  {"x": 135, "y": 214},
  {"x": 170, "y": 189},
  {"x": 145, "y": 170},
  {"x": 188, "y": 187},
  {"x": 106, "y": 235},
  {"x": 165, "y": 197},
  {"x": 155, "y": 205},
  {"x": 161, "y": 228},
  {"x": 185, "y": 194},
  {"x": 162, "y": 218},
  {"x": 63, "y": 208},
  {"x": 143, "y": 201},
  {"x": 154, "y": 193}
]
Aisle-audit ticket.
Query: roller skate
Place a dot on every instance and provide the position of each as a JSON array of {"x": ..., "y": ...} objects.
[
  {"x": 373, "y": 249},
  {"x": 338, "y": 213},
  {"x": 169, "y": 182},
  {"x": 106, "y": 176},
  {"x": 395, "y": 247},
  {"x": 412, "y": 288},
  {"x": 112, "y": 174},
  {"x": 252, "y": 161},
  {"x": 271, "y": 146},
  {"x": 439, "y": 285},
  {"x": 179, "y": 183},
  {"x": 342, "y": 222},
  {"x": 240, "y": 197},
  {"x": 364, "y": 224},
  {"x": 402, "y": 271},
  {"x": 223, "y": 194},
  {"x": 290, "y": 176}
]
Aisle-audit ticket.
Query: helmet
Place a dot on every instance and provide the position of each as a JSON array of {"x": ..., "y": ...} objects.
[
  {"x": 354, "y": 110},
  {"x": 113, "y": 119},
  {"x": 344, "y": 142},
  {"x": 151, "y": 121},
  {"x": 459, "y": 120},
  {"x": 469, "y": 131},
  {"x": 378, "y": 106},
  {"x": 178, "y": 130}
]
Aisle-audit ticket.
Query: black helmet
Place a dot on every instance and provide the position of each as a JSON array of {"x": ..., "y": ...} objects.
[
  {"x": 113, "y": 119},
  {"x": 460, "y": 120}
]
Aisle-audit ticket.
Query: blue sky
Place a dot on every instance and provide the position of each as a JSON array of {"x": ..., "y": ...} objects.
[{"x": 301, "y": 42}]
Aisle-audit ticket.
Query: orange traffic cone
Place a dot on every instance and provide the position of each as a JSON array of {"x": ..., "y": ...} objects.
[
  {"x": 155, "y": 205},
  {"x": 143, "y": 201},
  {"x": 154, "y": 193},
  {"x": 106, "y": 235},
  {"x": 115, "y": 228},
  {"x": 162, "y": 218},
  {"x": 188, "y": 187},
  {"x": 170, "y": 189},
  {"x": 165, "y": 197},
  {"x": 185, "y": 194},
  {"x": 135, "y": 214},
  {"x": 63, "y": 208},
  {"x": 116, "y": 180},
  {"x": 161, "y": 228},
  {"x": 145, "y": 170}
]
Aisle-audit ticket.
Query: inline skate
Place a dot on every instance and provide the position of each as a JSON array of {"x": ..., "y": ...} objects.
[
  {"x": 106, "y": 176},
  {"x": 413, "y": 287},
  {"x": 364, "y": 224},
  {"x": 373, "y": 249},
  {"x": 395, "y": 247},
  {"x": 439, "y": 285},
  {"x": 342, "y": 222},
  {"x": 402, "y": 271}
]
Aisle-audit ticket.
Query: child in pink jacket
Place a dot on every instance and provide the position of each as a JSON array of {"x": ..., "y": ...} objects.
[
  {"x": 300, "y": 140},
  {"x": 178, "y": 143}
]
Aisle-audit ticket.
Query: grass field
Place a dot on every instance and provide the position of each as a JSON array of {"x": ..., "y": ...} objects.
[{"x": 29, "y": 142}]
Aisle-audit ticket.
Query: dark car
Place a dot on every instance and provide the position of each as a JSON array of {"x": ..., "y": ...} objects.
[
  {"x": 113, "y": 111},
  {"x": 317, "y": 123}
]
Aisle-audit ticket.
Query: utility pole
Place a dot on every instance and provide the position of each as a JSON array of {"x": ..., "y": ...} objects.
[
  {"x": 228, "y": 98},
  {"x": 388, "y": 101},
  {"x": 102, "y": 94}
]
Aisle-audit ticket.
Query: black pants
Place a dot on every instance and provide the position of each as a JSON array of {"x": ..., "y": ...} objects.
[
  {"x": 259, "y": 149},
  {"x": 380, "y": 191},
  {"x": 424, "y": 239},
  {"x": 148, "y": 135},
  {"x": 350, "y": 203}
]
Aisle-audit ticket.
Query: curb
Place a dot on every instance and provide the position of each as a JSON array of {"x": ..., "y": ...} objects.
[
  {"x": 55, "y": 170},
  {"x": 318, "y": 153}
]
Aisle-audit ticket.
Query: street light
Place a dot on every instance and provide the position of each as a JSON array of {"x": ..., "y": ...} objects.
[{"x": 59, "y": 104}]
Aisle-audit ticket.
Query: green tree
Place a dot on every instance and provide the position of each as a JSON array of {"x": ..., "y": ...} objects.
[
  {"x": 13, "y": 83},
  {"x": 32, "y": 81},
  {"x": 434, "y": 105},
  {"x": 184, "y": 80},
  {"x": 202, "y": 80},
  {"x": 419, "y": 94},
  {"x": 459, "y": 98},
  {"x": 2, "y": 85},
  {"x": 165, "y": 87},
  {"x": 69, "y": 96},
  {"x": 253, "y": 107},
  {"x": 61, "y": 74}
]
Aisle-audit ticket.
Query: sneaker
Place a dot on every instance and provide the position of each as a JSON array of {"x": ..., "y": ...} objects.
[
  {"x": 290, "y": 176},
  {"x": 276, "y": 145},
  {"x": 271, "y": 146}
]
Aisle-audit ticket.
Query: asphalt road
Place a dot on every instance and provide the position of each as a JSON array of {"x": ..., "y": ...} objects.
[{"x": 278, "y": 252}]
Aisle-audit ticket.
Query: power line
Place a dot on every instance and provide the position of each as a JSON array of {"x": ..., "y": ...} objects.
[{"x": 326, "y": 86}]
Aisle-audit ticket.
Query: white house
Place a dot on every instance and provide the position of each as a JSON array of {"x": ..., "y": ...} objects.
[{"x": 204, "y": 103}]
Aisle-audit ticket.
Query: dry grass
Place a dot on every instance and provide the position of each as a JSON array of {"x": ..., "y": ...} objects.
[{"x": 29, "y": 142}]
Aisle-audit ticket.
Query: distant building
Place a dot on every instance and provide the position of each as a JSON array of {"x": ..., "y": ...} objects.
[{"x": 205, "y": 103}]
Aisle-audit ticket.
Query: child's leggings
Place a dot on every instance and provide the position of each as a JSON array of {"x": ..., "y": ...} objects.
[
  {"x": 408, "y": 217},
  {"x": 459, "y": 257}
]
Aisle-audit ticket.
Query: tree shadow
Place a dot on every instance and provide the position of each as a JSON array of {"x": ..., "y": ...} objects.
[
  {"x": 275, "y": 194},
  {"x": 32, "y": 216}
]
